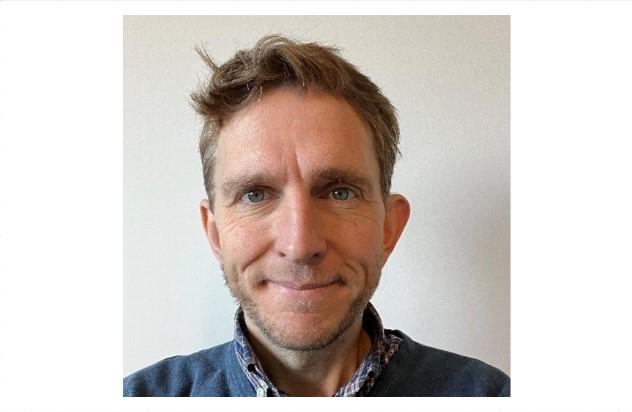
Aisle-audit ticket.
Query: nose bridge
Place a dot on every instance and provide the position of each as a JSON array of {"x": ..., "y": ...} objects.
[{"x": 299, "y": 236}]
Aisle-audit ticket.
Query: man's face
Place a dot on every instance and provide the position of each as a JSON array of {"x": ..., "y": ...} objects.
[{"x": 298, "y": 223}]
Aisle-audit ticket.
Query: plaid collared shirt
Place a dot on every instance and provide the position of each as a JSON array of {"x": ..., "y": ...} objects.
[{"x": 383, "y": 348}]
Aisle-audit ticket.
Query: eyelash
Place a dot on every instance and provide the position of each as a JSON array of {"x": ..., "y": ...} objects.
[
  {"x": 244, "y": 195},
  {"x": 352, "y": 194}
]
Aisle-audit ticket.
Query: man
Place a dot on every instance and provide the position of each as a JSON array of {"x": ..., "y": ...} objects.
[{"x": 298, "y": 150}]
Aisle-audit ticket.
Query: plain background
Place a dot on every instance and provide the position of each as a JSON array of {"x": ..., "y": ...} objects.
[{"x": 448, "y": 282}]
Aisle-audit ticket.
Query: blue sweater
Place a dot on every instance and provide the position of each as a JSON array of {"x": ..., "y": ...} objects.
[{"x": 414, "y": 370}]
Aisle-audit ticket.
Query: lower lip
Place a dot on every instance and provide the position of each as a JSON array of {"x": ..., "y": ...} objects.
[{"x": 320, "y": 291}]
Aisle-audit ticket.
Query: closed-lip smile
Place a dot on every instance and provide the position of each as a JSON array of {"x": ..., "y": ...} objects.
[{"x": 304, "y": 286}]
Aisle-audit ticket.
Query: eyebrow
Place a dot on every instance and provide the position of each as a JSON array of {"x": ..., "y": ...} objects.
[
  {"x": 236, "y": 184},
  {"x": 347, "y": 176}
]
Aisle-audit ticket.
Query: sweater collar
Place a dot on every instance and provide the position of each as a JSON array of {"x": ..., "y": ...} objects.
[{"x": 382, "y": 348}]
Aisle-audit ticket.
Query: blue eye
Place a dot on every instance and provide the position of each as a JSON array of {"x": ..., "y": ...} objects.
[
  {"x": 253, "y": 196},
  {"x": 342, "y": 193}
]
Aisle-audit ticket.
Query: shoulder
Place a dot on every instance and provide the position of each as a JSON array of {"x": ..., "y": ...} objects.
[
  {"x": 420, "y": 370},
  {"x": 210, "y": 372}
]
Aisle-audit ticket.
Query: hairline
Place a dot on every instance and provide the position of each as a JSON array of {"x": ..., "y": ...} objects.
[{"x": 215, "y": 130}]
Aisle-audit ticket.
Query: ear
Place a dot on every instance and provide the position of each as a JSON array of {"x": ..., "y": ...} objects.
[
  {"x": 210, "y": 228},
  {"x": 397, "y": 213}
]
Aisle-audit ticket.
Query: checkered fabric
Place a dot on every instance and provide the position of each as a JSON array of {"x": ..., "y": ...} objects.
[{"x": 384, "y": 346}]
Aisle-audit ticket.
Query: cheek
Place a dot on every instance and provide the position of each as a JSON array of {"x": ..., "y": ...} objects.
[
  {"x": 359, "y": 240},
  {"x": 242, "y": 244}
]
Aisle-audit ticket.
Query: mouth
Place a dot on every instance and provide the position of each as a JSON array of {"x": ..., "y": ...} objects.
[
  {"x": 305, "y": 291},
  {"x": 304, "y": 285}
]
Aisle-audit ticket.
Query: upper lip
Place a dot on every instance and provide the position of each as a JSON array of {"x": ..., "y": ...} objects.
[{"x": 304, "y": 286}]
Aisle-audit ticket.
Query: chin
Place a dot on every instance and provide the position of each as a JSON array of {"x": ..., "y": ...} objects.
[
  {"x": 300, "y": 338},
  {"x": 304, "y": 331}
]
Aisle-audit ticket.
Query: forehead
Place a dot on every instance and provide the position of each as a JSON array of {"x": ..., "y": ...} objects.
[{"x": 307, "y": 128}]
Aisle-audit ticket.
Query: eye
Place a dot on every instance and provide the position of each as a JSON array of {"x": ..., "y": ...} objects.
[
  {"x": 253, "y": 196},
  {"x": 342, "y": 193}
]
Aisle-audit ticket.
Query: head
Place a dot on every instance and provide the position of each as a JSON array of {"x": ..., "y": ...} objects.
[{"x": 298, "y": 148}]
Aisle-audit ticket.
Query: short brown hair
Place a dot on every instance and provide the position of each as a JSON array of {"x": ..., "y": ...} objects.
[{"x": 275, "y": 61}]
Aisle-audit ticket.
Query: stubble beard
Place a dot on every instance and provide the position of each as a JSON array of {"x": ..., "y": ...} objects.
[{"x": 279, "y": 336}]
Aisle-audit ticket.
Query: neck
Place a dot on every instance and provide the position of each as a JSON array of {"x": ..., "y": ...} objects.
[{"x": 312, "y": 373}]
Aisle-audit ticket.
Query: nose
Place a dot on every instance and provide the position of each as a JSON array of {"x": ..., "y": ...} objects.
[{"x": 299, "y": 231}]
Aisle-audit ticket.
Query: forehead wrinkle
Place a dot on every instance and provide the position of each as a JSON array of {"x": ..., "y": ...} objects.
[{"x": 269, "y": 143}]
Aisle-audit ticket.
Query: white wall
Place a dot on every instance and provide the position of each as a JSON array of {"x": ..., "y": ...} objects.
[{"x": 447, "y": 283}]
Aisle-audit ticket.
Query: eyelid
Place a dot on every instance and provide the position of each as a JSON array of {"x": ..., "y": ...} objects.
[
  {"x": 267, "y": 193},
  {"x": 355, "y": 192}
]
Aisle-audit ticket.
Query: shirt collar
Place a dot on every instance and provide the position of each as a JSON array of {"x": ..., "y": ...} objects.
[{"x": 382, "y": 349}]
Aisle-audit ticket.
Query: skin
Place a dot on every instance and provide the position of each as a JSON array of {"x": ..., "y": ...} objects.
[{"x": 302, "y": 232}]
